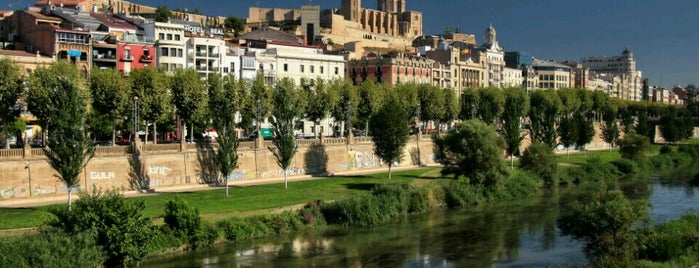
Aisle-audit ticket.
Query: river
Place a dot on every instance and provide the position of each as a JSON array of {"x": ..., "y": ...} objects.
[{"x": 521, "y": 233}]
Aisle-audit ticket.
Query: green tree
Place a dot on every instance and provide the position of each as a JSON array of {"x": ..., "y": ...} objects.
[
  {"x": 610, "y": 130},
  {"x": 320, "y": 100},
  {"x": 69, "y": 145},
  {"x": 474, "y": 150},
  {"x": 451, "y": 106},
  {"x": 431, "y": 103},
  {"x": 539, "y": 159},
  {"x": 567, "y": 132},
  {"x": 235, "y": 23},
  {"x": 390, "y": 132},
  {"x": 634, "y": 146},
  {"x": 585, "y": 131},
  {"x": 491, "y": 104},
  {"x": 162, "y": 14},
  {"x": 676, "y": 124},
  {"x": 606, "y": 227},
  {"x": 470, "y": 99},
  {"x": 516, "y": 106},
  {"x": 407, "y": 95},
  {"x": 570, "y": 102},
  {"x": 260, "y": 92},
  {"x": 151, "y": 86},
  {"x": 347, "y": 101},
  {"x": 223, "y": 106},
  {"x": 121, "y": 230},
  {"x": 371, "y": 98},
  {"x": 189, "y": 96},
  {"x": 10, "y": 90},
  {"x": 42, "y": 81},
  {"x": 545, "y": 106},
  {"x": 110, "y": 96},
  {"x": 283, "y": 118}
]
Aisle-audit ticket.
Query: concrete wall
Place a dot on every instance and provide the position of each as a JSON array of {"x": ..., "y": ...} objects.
[{"x": 189, "y": 168}]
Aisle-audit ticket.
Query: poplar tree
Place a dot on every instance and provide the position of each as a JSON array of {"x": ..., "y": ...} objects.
[
  {"x": 284, "y": 98},
  {"x": 10, "y": 90}
]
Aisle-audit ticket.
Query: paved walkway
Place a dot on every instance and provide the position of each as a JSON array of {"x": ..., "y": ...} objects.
[{"x": 63, "y": 198}]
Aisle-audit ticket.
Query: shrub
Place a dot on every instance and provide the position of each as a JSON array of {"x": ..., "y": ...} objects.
[
  {"x": 540, "y": 160},
  {"x": 51, "y": 248},
  {"x": 625, "y": 166},
  {"x": 661, "y": 162},
  {"x": 120, "y": 228},
  {"x": 690, "y": 149},
  {"x": 665, "y": 149},
  {"x": 672, "y": 239},
  {"x": 236, "y": 229},
  {"x": 283, "y": 223},
  {"x": 460, "y": 194},
  {"x": 522, "y": 184},
  {"x": 311, "y": 215},
  {"x": 184, "y": 221},
  {"x": 594, "y": 170},
  {"x": 634, "y": 146}
]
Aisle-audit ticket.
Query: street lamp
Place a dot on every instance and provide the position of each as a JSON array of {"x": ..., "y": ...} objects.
[
  {"x": 349, "y": 118},
  {"x": 135, "y": 118},
  {"x": 259, "y": 111},
  {"x": 27, "y": 165}
]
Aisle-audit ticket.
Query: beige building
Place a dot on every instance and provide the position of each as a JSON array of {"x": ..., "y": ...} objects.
[
  {"x": 170, "y": 44},
  {"x": 459, "y": 68},
  {"x": 630, "y": 83},
  {"x": 391, "y": 69},
  {"x": 28, "y": 62},
  {"x": 553, "y": 75},
  {"x": 512, "y": 77}
]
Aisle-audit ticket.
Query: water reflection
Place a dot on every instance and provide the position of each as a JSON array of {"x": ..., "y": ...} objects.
[{"x": 521, "y": 233}]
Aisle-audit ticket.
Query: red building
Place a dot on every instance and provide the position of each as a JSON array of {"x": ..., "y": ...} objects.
[
  {"x": 133, "y": 55},
  {"x": 128, "y": 49}
]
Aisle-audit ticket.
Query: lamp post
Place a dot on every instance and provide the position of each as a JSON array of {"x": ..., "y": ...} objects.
[
  {"x": 27, "y": 166},
  {"x": 259, "y": 111},
  {"x": 419, "y": 134},
  {"x": 349, "y": 118}
]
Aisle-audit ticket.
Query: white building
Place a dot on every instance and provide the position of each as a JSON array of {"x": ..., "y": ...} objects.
[
  {"x": 495, "y": 58},
  {"x": 205, "y": 49},
  {"x": 512, "y": 77},
  {"x": 630, "y": 82},
  {"x": 170, "y": 44}
]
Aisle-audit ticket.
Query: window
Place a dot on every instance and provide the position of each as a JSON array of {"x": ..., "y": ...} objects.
[
  {"x": 232, "y": 66},
  {"x": 177, "y": 37},
  {"x": 179, "y": 52},
  {"x": 173, "y": 52},
  {"x": 164, "y": 66},
  {"x": 321, "y": 69},
  {"x": 169, "y": 36},
  {"x": 161, "y": 36},
  {"x": 271, "y": 66},
  {"x": 337, "y": 70},
  {"x": 163, "y": 52},
  {"x": 286, "y": 67},
  {"x": 173, "y": 66},
  {"x": 127, "y": 53},
  {"x": 302, "y": 68},
  {"x": 225, "y": 69},
  {"x": 313, "y": 69}
]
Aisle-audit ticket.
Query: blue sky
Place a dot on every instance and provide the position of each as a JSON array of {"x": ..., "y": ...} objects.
[{"x": 663, "y": 35}]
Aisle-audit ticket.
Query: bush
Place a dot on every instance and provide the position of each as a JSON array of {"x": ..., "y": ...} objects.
[
  {"x": 672, "y": 239},
  {"x": 540, "y": 160},
  {"x": 594, "y": 170},
  {"x": 634, "y": 146},
  {"x": 625, "y": 166},
  {"x": 237, "y": 229},
  {"x": 51, "y": 248},
  {"x": 283, "y": 223},
  {"x": 690, "y": 149},
  {"x": 460, "y": 194},
  {"x": 522, "y": 184},
  {"x": 117, "y": 222},
  {"x": 184, "y": 221},
  {"x": 666, "y": 149},
  {"x": 312, "y": 216}
]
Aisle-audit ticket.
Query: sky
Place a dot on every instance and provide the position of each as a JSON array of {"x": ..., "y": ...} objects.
[{"x": 663, "y": 35}]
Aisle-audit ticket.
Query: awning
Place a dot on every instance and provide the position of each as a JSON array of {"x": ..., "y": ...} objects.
[{"x": 74, "y": 53}]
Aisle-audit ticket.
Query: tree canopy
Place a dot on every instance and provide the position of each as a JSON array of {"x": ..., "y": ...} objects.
[{"x": 390, "y": 132}]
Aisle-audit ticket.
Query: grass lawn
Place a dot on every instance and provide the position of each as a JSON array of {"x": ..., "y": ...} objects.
[
  {"x": 242, "y": 201},
  {"x": 581, "y": 157}
]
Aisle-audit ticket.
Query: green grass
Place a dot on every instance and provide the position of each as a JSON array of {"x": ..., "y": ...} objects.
[
  {"x": 213, "y": 204},
  {"x": 581, "y": 157}
]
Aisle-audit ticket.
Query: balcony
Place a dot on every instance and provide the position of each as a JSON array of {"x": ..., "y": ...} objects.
[
  {"x": 146, "y": 59},
  {"x": 103, "y": 57},
  {"x": 127, "y": 58},
  {"x": 213, "y": 55},
  {"x": 201, "y": 54}
]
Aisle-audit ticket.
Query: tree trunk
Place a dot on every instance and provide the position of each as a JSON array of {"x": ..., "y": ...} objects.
[
  {"x": 191, "y": 135},
  {"x": 7, "y": 136},
  {"x": 146, "y": 139},
  {"x": 389, "y": 170},
  {"x": 512, "y": 162},
  {"x": 155, "y": 133},
  {"x": 114, "y": 133},
  {"x": 70, "y": 198},
  {"x": 285, "y": 180},
  {"x": 567, "y": 152},
  {"x": 225, "y": 179}
]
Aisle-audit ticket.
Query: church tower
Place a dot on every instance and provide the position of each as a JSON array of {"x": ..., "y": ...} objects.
[
  {"x": 490, "y": 36},
  {"x": 351, "y": 10},
  {"x": 391, "y": 6}
]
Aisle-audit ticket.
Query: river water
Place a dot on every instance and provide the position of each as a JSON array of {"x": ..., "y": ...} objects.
[{"x": 521, "y": 233}]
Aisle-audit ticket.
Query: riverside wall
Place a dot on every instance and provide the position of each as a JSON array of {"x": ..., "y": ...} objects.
[{"x": 167, "y": 165}]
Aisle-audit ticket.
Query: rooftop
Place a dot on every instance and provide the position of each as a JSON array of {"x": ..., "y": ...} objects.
[{"x": 113, "y": 22}]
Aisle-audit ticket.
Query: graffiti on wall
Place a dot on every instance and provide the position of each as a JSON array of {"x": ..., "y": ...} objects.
[
  {"x": 238, "y": 175},
  {"x": 366, "y": 159},
  {"x": 8, "y": 192},
  {"x": 158, "y": 170},
  {"x": 43, "y": 190},
  {"x": 100, "y": 175},
  {"x": 292, "y": 171}
]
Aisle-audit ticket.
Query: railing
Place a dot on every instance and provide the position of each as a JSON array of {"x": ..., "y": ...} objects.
[
  {"x": 127, "y": 58},
  {"x": 38, "y": 152},
  {"x": 307, "y": 142},
  {"x": 335, "y": 141},
  {"x": 201, "y": 54},
  {"x": 12, "y": 153},
  {"x": 112, "y": 150},
  {"x": 162, "y": 147},
  {"x": 213, "y": 55},
  {"x": 362, "y": 139},
  {"x": 246, "y": 145}
]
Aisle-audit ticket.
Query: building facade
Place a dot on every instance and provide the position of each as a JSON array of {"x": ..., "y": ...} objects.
[
  {"x": 630, "y": 84},
  {"x": 170, "y": 44},
  {"x": 390, "y": 69},
  {"x": 553, "y": 75}
]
